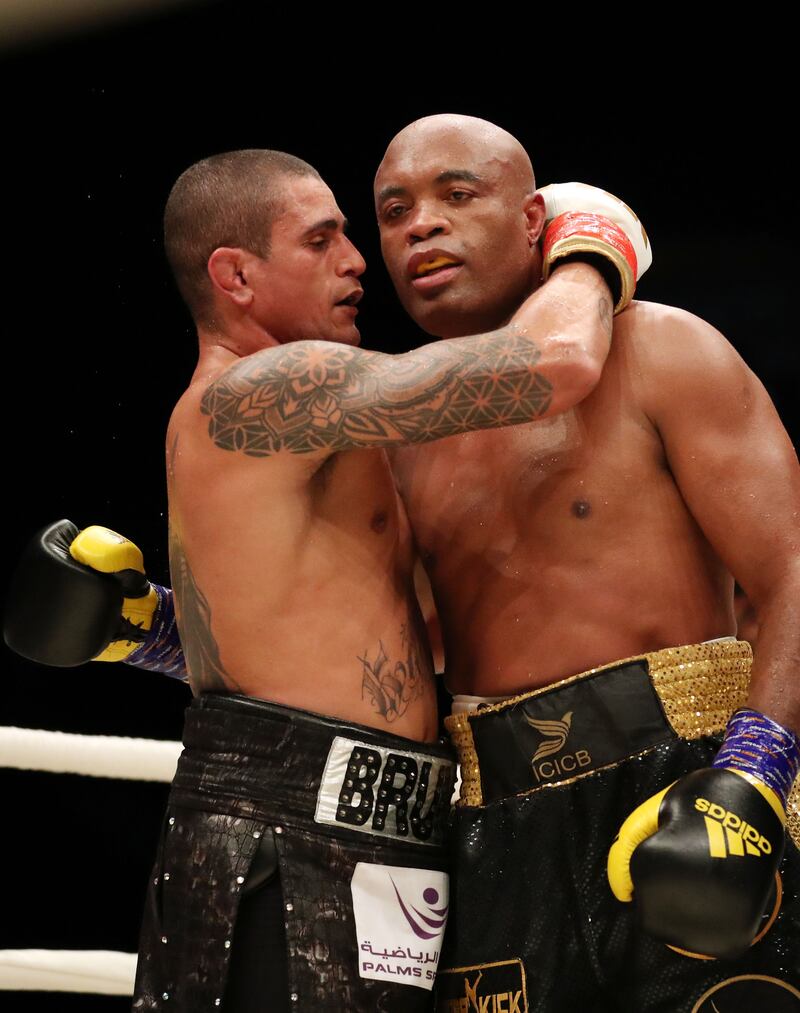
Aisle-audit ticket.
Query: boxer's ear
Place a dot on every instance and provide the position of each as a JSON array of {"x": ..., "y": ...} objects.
[
  {"x": 534, "y": 211},
  {"x": 228, "y": 271}
]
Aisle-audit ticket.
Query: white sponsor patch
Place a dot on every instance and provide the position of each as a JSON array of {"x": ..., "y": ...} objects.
[
  {"x": 400, "y": 920},
  {"x": 377, "y": 790}
]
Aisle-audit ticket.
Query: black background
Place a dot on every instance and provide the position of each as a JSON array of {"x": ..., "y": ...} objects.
[{"x": 97, "y": 346}]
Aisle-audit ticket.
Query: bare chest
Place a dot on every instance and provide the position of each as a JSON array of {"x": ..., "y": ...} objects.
[
  {"x": 557, "y": 479},
  {"x": 344, "y": 512},
  {"x": 356, "y": 493}
]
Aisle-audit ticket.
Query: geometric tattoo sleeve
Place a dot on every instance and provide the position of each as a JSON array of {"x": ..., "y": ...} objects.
[{"x": 312, "y": 396}]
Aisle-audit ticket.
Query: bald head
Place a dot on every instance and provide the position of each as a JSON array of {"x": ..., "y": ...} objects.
[
  {"x": 460, "y": 191},
  {"x": 469, "y": 135}
]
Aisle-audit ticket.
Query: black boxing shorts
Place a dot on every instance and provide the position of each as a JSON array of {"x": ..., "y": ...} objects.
[
  {"x": 548, "y": 778},
  {"x": 301, "y": 866}
]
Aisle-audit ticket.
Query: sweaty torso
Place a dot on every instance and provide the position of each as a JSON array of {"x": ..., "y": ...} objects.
[
  {"x": 294, "y": 582},
  {"x": 559, "y": 545}
]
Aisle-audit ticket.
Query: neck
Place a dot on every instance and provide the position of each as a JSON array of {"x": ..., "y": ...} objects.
[
  {"x": 491, "y": 318},
  {"x": 238, "y": 338}
]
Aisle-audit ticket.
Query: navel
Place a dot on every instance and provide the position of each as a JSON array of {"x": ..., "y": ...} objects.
[{"x": 581, "y": 508}]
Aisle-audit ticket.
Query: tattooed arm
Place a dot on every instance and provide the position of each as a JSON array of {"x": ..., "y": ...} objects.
[{"x": 320, "y": 397}]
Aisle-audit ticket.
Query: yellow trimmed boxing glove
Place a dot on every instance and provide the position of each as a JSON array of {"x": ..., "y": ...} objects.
[
  {"x": 107, "y": 552},
  {"x": 699, "y": 859},
  {"x": 76, "y": 596}
]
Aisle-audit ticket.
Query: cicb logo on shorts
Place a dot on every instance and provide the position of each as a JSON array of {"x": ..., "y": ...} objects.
[
  {"x": 555, "y": 734},
  {"x": 376, "y": 790}
]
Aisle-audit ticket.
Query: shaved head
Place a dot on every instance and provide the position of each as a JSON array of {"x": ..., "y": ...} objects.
[
  {"x": 459, "y": 219},
  {"x": 471, "y": 134},
  {"x": 231, "y": 199}
]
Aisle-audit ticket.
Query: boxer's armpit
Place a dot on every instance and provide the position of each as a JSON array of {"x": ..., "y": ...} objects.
[
  {"x": 314, "y": 396},
  {"x": 393, "y": 684},
  {"x": 206, "y": 671}
]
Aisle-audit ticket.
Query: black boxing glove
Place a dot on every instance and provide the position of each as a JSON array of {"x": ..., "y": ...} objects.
[
  {"x": 77, "y": 596},
  {"x": 700, "y": 858}
]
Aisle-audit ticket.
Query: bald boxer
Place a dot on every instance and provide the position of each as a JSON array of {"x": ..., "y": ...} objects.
[{"x": 557, "y": 548}]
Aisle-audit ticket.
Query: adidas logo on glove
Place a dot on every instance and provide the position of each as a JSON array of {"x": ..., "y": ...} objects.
[{"x": 741, "y": 837}]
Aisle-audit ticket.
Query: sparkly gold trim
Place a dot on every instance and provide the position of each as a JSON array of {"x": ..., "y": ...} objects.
[
  {"x": 461, "y": 734},
  {"x": 699, "y": 686},
  {"x": 673, "y": 671},
  {"x": 478, "y": 967},
  {"x": 590, "y": 244},
  {"x": 793, "y": 813}
]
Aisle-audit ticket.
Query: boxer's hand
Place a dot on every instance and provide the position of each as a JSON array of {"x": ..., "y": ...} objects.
[
  {"x": 583, "y": 221},
  {"x": 699, "y": 859},
  {"x": 77, "y": 596}
]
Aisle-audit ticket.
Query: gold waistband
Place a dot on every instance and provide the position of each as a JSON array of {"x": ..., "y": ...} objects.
[{"x": 699, "y": 686}]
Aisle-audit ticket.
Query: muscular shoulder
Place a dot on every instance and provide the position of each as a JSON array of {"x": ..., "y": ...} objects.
[
  {"x": 656, "y": 328},
  {"x": 322, "y": 362},
  {"x": 669, "y": 342},
  {"x": 678, "y": 356}
]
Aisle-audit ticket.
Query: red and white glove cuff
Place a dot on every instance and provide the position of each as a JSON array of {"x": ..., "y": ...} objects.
[{"x": 583, "y": 232}]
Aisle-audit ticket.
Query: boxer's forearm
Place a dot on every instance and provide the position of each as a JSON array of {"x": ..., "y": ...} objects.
[
  {"x": 775, "y": 680},
  {"x": 317, "y": 397},
  {"x": 570, "y": 319}
]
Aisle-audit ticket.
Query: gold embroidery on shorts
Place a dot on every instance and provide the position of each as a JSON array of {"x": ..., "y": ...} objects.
[
  {"x": 793, "y": 813},
  {"x": 701, "y": 685},
  {"x": 461, "y": 734},
  {"x": 503, "y": 987}
]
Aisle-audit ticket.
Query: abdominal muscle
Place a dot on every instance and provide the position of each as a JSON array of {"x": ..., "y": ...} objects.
[
  {"x": 299, "y": 591},
  {"x": 347, "y": 657},
  {"x": 572, "y": 612}
]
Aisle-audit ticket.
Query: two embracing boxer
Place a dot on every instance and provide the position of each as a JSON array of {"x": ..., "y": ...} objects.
[
  {"x": 581, "y": 567},
  {"x": 310, "y": 747}
]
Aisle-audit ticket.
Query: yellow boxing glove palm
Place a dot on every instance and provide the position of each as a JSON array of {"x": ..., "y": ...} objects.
[{"x": 107, "y": 552}]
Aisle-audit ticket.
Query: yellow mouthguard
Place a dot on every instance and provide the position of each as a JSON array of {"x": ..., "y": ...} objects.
[{"x": 432, "y": 265}]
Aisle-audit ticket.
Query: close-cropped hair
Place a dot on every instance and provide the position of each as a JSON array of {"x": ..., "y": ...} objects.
[{"x": 230, "y": 199}]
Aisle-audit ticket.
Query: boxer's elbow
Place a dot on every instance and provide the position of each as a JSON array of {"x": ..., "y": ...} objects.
[
  {"x": 776, "y": 584},
  {"x": 573, "y": 372}
]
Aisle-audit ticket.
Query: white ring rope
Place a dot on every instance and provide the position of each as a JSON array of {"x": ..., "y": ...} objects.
[
  {"x": 102, "y": 972},
  {"x": 92, "y": 755}
]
